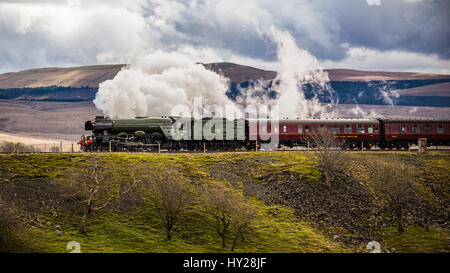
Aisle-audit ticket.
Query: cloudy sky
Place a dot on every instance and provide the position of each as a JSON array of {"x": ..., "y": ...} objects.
[{"x": 392, "y": 35}]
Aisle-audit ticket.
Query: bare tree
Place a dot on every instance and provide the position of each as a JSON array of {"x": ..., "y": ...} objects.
[
  {"x": 241, "y": 218},
  {"x": 11, "y": 148},
  {"x": 170, "y": 195},
  {"x": 331, "y": 154},
  {"x": 393, "y": 182},
  {"x": 98, "y": 183},
  {"x": 220, "y": 203}
]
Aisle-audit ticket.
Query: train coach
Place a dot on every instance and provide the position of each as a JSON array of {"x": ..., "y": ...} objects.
[
  {"x": 355, "y": 132},
  {"x": 401, "y": 134}
]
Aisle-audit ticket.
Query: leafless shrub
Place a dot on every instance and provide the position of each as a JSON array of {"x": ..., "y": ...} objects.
[
  {"x": 11, "y": 148},
  {"x": 98, "y": 183},
  {"x": 331, "y": 154},
  {"x": 393, "y": 182},
  {"x": 219, "y": 203},
  {"x": 171, "y": 196},
  {"x": 241, "y": 218},
  {"x": 229, "y": 212}
]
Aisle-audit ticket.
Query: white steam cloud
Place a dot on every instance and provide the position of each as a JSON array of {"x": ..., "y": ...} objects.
[
  {"x": 297, "y": 68},
  {"x": 156, "y": 83}
]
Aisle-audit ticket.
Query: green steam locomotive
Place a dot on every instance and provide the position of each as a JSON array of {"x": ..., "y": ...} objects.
[{"x": 150, "y": 133}]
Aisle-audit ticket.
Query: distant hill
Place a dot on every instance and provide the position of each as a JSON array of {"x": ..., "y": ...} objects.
[
  {"x": 89, "y": 76},
  {"x": 351, "y": 86}
]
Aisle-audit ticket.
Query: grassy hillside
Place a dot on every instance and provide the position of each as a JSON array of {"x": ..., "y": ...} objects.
[{"x": 34, "y": 189}]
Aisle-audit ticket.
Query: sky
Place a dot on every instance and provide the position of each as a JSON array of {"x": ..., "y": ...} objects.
[{"x": 387, "y": 35}]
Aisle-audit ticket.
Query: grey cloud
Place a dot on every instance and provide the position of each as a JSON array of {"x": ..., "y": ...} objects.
[{"x": 97, "y": 31}]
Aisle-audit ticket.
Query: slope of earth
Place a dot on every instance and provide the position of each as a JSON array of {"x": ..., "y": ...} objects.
[
  {"x": 48, "y": 120},
  {"x": 351, "y": 86},
  {"x": 33, "y": 186},
  {"x": 80, "y": 76},
  {"x": 440, "y": 89},
  {"x": 295, "y": 211}
]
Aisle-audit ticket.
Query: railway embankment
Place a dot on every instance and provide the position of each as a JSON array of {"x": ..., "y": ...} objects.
[{"x": 44, "y": 197}]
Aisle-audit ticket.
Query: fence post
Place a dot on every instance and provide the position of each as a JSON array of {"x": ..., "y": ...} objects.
[
  {"x": 45, "y": 147},
  {"x": 256, "y": 146},
  {"x": 159, "y": 148},
  {"x": 204, "y": 147},
  {"x": 110, "y": 146},
  {"x": 72, "y": 147},
  {"x": 60, "y": 147},
  {"x": 422, "y": 145}
]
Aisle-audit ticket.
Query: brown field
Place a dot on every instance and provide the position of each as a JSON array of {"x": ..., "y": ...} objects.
[
  {"x": 45, "y": 120},
  {"x": 440, "y": 89},
  {"x": 69, "y": 76}
]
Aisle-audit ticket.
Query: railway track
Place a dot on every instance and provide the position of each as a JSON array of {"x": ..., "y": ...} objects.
[{"x": 375, "y": 150}]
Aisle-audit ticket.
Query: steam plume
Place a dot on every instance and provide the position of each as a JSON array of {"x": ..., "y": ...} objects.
[{"x": 157, "y": 82}]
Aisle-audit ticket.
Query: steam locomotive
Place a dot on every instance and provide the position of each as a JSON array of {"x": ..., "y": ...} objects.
[{"x": 173, "y": 133}]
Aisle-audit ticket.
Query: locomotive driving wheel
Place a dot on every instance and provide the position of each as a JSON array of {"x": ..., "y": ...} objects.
[{"x": 157, "y": 138}]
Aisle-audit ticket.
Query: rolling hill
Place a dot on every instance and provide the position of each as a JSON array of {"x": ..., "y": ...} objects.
[{"x": 74, "y": 84}]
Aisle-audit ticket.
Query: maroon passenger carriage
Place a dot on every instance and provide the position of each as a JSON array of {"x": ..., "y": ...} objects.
[
  {"x": 403, "y": 133},
  {"x": 358, "y": 133}
]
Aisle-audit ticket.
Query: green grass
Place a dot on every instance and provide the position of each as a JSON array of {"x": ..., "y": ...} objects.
[
  {"x": 140, "y": 231},
  {"x": 275, "y": 230},
  {"x": 416, "y": 240}
]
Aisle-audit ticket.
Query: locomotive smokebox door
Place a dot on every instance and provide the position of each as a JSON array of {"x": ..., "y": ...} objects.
[{"x": 88, "y": 126}]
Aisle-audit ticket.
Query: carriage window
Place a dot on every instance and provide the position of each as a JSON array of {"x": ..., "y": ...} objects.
[
  {"x": 284, "y": 128},
  {"x": 403, "y": 128},
  {"x": 361, "y": 129},
  {"x": 348, "y": 129},
  {"x": 322, "y": 128},
  {"x": 264, "y": 129},
  {"x": 306, "y": 129},
  {"x": 376, "y": 128},
  {"x": 440, "y": 129},
  {"x": 388, "y": 129},
  {"x": 370, "y": 129},
  {"x": 335, "y": 129},
  {"x": 415, "y": 128},
  {"x": 300, "y": 129},
  {"x": 427, "y": 128}
]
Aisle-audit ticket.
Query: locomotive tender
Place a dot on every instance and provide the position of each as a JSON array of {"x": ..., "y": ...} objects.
[{"x": 147, "y": 133}]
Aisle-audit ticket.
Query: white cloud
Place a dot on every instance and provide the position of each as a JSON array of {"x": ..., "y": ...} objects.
[
  {"x": 56, "y": 34},
  {"x": 43, "y": 33},
  {"x": 394, "y": 60},
  {"x": 373, "y": 2}
]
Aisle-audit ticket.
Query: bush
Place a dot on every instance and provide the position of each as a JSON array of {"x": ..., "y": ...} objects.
[
  {"x": 10, "y": 148},
  {"x": 331, "y": 154}
]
